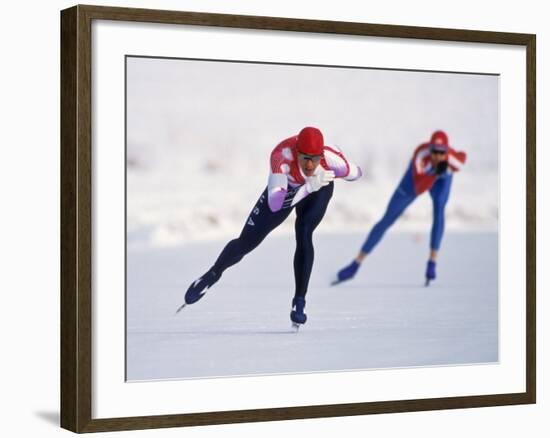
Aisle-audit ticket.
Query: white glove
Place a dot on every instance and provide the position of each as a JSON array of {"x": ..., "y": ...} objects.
[{"x": 315, "y": 182}]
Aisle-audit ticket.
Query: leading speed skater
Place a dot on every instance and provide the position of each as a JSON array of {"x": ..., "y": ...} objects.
[
  {"x": 431, "y": 169},
  {"x": 303, "y": 170}
]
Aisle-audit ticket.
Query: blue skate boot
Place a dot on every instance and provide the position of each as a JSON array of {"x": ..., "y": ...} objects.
[
  {"x": 430, "y": 272},
  {"x": 346, "y": 273},
  {"x": 297, "y": 315},
  {"x": 199, "y": 287}
]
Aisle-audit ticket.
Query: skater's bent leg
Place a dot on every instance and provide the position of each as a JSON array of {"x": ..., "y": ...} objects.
[
  {"x": 399, "y": 201},
  {"x": 233, "y": 252},
  {"x": 259, "y": 224},
  {"x": 309, "y": 214}
]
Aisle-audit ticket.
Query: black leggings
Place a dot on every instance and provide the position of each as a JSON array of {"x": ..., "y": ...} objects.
[{"x": 262, "y": 221}]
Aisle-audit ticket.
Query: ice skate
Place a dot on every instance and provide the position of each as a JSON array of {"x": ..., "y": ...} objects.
[
  {"x": 346, "y": 273},
  {"x": 297, "y": 315},
  {"x": 198, "y": 288},
  {"x": 430, "y": 272}
]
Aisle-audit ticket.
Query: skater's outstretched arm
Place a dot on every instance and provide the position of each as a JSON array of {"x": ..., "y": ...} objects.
[
  {"x": 313, "y": 183},
  {"x": 456, "y": 159},
  {"x": 334, "y": 165},
  {"x": 341, "y": 166}
]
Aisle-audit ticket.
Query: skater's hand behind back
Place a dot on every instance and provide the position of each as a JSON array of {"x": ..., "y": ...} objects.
[{"x": 441, "y": 167}]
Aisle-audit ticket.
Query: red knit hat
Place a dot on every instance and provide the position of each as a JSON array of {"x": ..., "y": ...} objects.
[
  {"x": 439, "y": 141},
  {"x": 310, "y": 141}
]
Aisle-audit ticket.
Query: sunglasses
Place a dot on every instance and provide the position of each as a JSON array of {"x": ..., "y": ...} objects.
[
  {"x": 436, "y": 152},
  {"x": 314, "y": 158}
]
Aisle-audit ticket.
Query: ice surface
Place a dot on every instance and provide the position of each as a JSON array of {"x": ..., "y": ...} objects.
[{"x": 385, "y": 317}]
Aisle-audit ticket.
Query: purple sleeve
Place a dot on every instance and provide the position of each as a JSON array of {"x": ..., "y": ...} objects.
[
  {"x": 276, "y": 191},
  {"x": 275, "y": 199}
]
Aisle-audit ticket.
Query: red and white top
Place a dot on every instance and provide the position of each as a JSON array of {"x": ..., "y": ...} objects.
[
  {"x": 286, "y": 172},
  {"x": 424, "y": 175}
]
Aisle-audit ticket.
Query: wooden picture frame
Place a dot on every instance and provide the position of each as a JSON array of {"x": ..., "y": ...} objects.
[{"x": 76, "y": 218}]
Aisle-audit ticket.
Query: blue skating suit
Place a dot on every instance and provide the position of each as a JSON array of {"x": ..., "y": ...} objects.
[{"x": 419, "y": 177}]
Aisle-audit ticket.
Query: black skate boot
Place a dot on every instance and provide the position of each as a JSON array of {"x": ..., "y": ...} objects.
[
  {"x": 297, "y": 315},
  {"x": 199, "y": 287}
]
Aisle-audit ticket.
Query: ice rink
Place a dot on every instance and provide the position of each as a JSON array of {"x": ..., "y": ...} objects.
[
  {"x": 199, "y": 137},
  {"x": 385, "y": 317}
]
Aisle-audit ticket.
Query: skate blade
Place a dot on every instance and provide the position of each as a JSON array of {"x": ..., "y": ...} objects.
[
  {"x": 337, "y": 281},
  {"x": 427, "y": 282},
  {"x": 295, "y": 327},
  {"x": 180, "y": 308}
]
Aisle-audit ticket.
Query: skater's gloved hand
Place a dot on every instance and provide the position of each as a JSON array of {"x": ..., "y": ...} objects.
[
  {"x": 315, "y": 182},
  {"x": 441, "y": 167}
]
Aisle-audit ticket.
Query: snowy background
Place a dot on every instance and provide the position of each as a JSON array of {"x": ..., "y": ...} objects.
[{"x": 199, "y": 136}]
